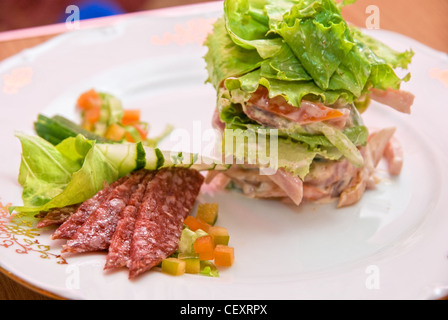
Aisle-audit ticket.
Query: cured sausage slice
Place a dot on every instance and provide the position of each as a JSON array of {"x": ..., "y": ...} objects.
[
  {"x": 76, "y": 220},
  {"x": 57, "y": 216},
  {"x": 169, "y": 198},
  {"x": 95, "y": 234},
  {"x": 120, "y": 244}
]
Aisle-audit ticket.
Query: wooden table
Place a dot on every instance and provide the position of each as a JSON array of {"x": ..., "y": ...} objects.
[{"x": 425, "y": 21}]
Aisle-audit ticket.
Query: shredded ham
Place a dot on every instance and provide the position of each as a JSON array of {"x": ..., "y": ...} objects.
[
  {"x": 355, "y": 190},
  {"x": 393, "y": 153},
  {"x": 217, "y": 179},
  {"x": 378, "y": 141},
  {"x": 292, "y": 185},
  {"x": 327, "y": 180},
  {"x": 254, "y": 185},
  {"x": 375, "y": 150},
  {"x": 216, "y": 121},
  {"x": 399, "y": 100}
]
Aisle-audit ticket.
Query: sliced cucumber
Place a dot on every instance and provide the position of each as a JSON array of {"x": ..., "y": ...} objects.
[
  {"x": 189, "y": 160},
  {"x": 58, "y": 128},
  {"x": 154, "y": 159},
  {"x": 113, "y": 109},
  {"x": 126, "y": 157}
]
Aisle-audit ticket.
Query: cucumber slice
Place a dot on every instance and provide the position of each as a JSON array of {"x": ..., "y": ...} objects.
[
  {"x": 126, "y": 157},
  {"x": 58, "y": 128},
  {"x": 113, "y": 109},
  {"x": 154, "y": 159},
  {"x": 141, "y": 157},
  {"x": 189, "y": 160}
]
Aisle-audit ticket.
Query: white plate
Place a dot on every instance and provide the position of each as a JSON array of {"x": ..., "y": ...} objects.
[{"x": 391, "y": 245}]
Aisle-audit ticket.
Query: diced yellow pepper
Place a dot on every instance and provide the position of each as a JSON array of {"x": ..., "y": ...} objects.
[
  {"x": 220, "y": 235},
  {"x": 208, "y": 212},
  {"x": 192, "y": 265},
  {"x": 173, "y": 266}
]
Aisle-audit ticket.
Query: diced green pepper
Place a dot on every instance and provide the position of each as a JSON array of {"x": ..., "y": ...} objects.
[{"x": 209, "y": 269}]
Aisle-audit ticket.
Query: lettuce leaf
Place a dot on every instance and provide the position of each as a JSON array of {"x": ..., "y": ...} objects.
[
  {"x": 62, "y": 175},
  {"x": 225, "y": 59},
  {"x": 300, "y": 49},
  {"x": 45, "y": 170},
  {"x": 244, "y": 146}
]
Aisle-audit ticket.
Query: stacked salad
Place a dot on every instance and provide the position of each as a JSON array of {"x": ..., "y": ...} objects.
[{"x": 298, "y": 67}]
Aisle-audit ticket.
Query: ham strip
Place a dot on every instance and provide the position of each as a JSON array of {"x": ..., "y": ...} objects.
[
  {"x": 120, "y": 244},
  {"x": 377, "y": 143},
  {"x": 355, "y": 191},
  {"x": 393, "y": 154},
  {"x": 169, "y": 198},
  {"x": 292, "y": 185},
  {"x": 96, "y": 232},
  {"x": 397, "y": 99},
  {"x": 76, "y": 220}
]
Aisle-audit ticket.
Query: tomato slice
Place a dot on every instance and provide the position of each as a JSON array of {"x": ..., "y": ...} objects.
[{"x": 308, "y": 112}]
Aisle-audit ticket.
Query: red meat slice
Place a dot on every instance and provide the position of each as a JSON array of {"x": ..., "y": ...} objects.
[
  {"x": 169, "y": 198},
  {"x": 76, "y": 220},
  {"x": 57, "y": 216},
  {"x": 96, "y": 233},
  {"x": 120, "y": 244}
]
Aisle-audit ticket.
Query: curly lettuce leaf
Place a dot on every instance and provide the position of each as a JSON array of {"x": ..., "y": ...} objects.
[
  {"x": 306, "y": 44},
  {"x": 225, "y": 59},
  {"x": 62, "y": 175}
]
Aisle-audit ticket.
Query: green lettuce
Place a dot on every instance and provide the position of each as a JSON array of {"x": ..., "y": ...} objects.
[
  {"x": 62, "y": 175},
  {"x": 299, "y": 49},
  {"x": 301, "y": 45},
  {"x": 226, "y": 59}
]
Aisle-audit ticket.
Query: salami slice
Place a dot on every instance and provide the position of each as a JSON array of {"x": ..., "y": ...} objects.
[
  {"x": 57, "y": 216},
  {"x": 76, "y": 220},
  {"x": 96, "y": 232},
  {"x": 169, "y": 198},
  {"x": 120, "y": 244}
]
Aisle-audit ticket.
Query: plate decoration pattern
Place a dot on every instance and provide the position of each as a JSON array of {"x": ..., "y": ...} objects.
[{"x": 19, "y": 232}]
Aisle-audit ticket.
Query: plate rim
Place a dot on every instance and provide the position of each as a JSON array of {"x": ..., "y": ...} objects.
[{"x": 209, "y": 6}]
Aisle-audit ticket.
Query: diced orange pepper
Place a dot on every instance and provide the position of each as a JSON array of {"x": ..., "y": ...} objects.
[
  {"x": 130, "y": 117},
  {"x": 115, "y": 132},
  {"x": 89, "y": 100},
  {"x": 141, "y": 130},
  {"x": 194, "y": 224},
  {"x": 205, "y": 247},
  {"x": 129, "y": 137},
  {"x": 143, "y": 133},
  {"x": 92, "y": 115},
  {"x": 224, "y": 256}
]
